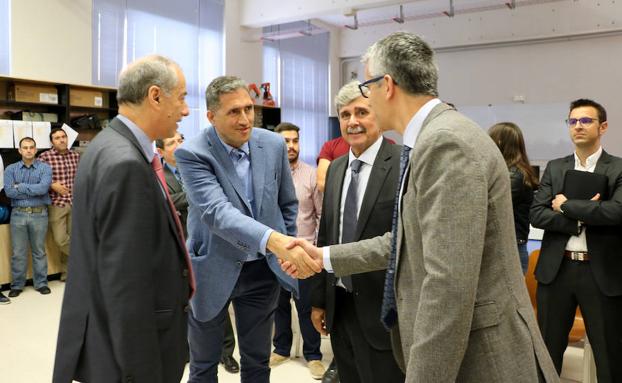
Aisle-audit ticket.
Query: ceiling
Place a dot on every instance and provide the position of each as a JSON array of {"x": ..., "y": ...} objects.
[{"x": 420, "y": 9}]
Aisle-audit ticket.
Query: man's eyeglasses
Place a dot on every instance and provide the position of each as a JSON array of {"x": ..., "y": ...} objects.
[
  {"x": 584, "y": 121},
  {"x": 364, "y": 87}
]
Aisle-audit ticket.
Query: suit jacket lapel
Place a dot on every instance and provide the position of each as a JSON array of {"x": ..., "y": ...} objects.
[
  {"x": 377, "y": 177},
  {"x": 119, "y": 127},
  {"x": 171, "y": 180},
  {"x": 602, "y": 163},
  {"x": 435, "y": 112},
  {"x": 338, "y": 172},
  {"x": 123, "y": 130},
  {"x": 224, "y": 160},
  {"x": 258, "y": 169}
]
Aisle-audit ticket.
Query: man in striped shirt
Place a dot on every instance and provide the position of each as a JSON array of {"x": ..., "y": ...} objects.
[
  {"x": 307, "y": 222},
  {"x": 64, "y": 163},
  {"x": 26, "y": 183}
]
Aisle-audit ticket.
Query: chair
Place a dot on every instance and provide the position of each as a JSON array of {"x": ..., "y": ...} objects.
[{"x": 577, "y": 333}]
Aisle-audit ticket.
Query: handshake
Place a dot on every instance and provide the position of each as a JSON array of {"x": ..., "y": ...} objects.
[{"x": 298, "y": 257}]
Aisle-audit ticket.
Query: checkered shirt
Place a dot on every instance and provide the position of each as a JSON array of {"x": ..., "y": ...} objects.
[{"x": 64, "y": 168}]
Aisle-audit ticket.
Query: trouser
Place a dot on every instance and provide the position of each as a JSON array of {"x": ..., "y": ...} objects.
[
  {"x": 228, "y": 344},
  {"x": 557, "y": 304},
  {"x": 28, "y": 229},
  {"x": 357, "y": 360},
  {"x": 254, "y": 300},
  {"x": 283, "y": 335},
  {"x": 60, "y": 225}
]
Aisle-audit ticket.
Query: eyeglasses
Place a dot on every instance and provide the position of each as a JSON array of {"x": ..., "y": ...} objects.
[
  {"x": 364, "y": 87},
  {"x": 584, "y": 121}
]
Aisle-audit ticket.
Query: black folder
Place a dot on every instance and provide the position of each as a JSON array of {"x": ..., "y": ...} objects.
[{"x": 585, "y": 185}]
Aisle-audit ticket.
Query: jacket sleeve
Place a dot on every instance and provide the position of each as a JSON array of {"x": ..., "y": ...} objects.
[
  {"x": 542, "y": 215},
  {"x": 598, "y": 213}
]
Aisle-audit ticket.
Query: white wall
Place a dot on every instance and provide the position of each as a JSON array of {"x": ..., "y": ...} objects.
[
  {"x": 549, "y": 54},
  {"x": 243, "y": 49},
  {"x": 51, "y": 40}
]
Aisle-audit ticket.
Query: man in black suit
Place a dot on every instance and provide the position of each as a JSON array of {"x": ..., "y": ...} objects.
[
  {"x": 166, "y": 147},
  {"x": 124, "y": 314},
  {"x": 581, "y": 256},
  {"x": 358, "y": 204}
]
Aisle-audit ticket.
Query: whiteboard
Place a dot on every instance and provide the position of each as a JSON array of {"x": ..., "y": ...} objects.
[{"x": 543, "y": 125}]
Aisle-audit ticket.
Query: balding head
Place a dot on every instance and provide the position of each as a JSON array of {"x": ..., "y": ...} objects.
[{"x": 136, "y": 79}]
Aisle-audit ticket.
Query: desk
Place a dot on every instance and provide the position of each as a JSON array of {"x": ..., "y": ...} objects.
[{"x": 51, "y": 250}]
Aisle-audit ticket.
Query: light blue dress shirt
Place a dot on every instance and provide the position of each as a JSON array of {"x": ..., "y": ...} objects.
[{"x": 241, "y": 159}]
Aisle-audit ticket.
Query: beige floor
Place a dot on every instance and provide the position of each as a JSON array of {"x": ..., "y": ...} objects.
[{"x": 28, "y": 328}]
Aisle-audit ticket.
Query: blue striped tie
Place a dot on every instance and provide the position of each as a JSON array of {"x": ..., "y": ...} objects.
[{"x": 388, "y": 313}]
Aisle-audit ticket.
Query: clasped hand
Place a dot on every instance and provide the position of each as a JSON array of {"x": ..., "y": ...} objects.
[{"x": 298, "y": 258}]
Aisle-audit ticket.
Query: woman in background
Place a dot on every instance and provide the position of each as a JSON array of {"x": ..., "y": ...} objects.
[{"x": 509, "y": 139}]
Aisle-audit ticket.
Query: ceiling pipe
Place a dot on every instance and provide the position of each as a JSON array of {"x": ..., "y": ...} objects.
[
  {"x": 400, "y": 19},
  {"x": 356, "y": 23},
  {"x": 451, "y": 12}
]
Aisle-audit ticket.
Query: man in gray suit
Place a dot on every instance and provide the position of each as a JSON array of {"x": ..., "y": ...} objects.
[{"x": 455, "y": 299}]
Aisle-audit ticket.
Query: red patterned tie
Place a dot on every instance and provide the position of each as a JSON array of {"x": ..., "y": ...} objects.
[{"x": 156, "y": 164}]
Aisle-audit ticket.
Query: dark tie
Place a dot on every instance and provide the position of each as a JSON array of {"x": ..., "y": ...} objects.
[
  {"x": 178, "y": 176},
  {"x": 156, "y": 164},
  {"x": 350, "y": 216},
  {"x": 388, "y": 313}
]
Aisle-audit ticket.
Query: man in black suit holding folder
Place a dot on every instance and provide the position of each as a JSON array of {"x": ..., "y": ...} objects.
[{"x": 581, "y": 256}]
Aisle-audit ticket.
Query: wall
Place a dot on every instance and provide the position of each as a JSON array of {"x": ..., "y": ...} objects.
[
  {"x": 51, "y": 40},
  {"x": 243, "y": 49},
  {"x": 546, "y": 55},
  {"x": 46, "y": 49}
]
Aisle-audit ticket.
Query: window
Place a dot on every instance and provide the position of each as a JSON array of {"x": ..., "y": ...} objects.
[
  {"x": 5, "y": 37},
  {"x": 189, "y": 32},
  {"x": 299, "y": 68}
]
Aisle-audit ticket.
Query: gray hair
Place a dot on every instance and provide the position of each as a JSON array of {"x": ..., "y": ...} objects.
[
  {"x": 347, "y": 94},
  {"x": 136, "y": 79},
  {"x": 407, "y": 59},
  {"x": 219, "y": 86}
]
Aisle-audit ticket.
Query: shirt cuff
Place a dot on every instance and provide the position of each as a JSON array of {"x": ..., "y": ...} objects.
[
  {"x": 326, "y": 255},
  {"x": 264, "y": 241}
]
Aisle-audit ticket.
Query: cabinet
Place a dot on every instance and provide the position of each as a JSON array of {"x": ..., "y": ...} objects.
[
  {"x": 66, "y": 101},
  {"x": 22, "y": 97},
  {"x": 267, "y": 117}
]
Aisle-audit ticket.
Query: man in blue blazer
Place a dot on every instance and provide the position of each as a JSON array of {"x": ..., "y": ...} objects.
[{"x": 242, "y": 199}]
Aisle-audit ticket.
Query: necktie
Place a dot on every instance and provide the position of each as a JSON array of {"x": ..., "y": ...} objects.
[
  {"x": 350, "y": 215},
  {"x": 178, "y": 176},
  {"x": 157, "y": 168},
  {"x": 388, "y": 312},
  {"x": 242, "y": 166}
]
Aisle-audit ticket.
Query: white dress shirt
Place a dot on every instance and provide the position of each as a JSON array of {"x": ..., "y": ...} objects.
[{"x": 410, "y": 136}]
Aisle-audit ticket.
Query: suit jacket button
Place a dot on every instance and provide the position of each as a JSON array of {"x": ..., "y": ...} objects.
[
  {"x": 239, "y": 263},
  {"x": 186, "y": 308},
  {"x": 185, "y": 273}
]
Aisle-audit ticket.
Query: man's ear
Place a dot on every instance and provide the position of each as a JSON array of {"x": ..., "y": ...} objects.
[
  {"x": 210, "y": 116},
  {"x": 390, "y": 86},
  {"x": 603, "y": 128},
  {"x": 153, "y": 95}
]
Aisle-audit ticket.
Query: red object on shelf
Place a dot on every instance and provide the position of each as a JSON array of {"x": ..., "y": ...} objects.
[{"x": 267, "y": 96}]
